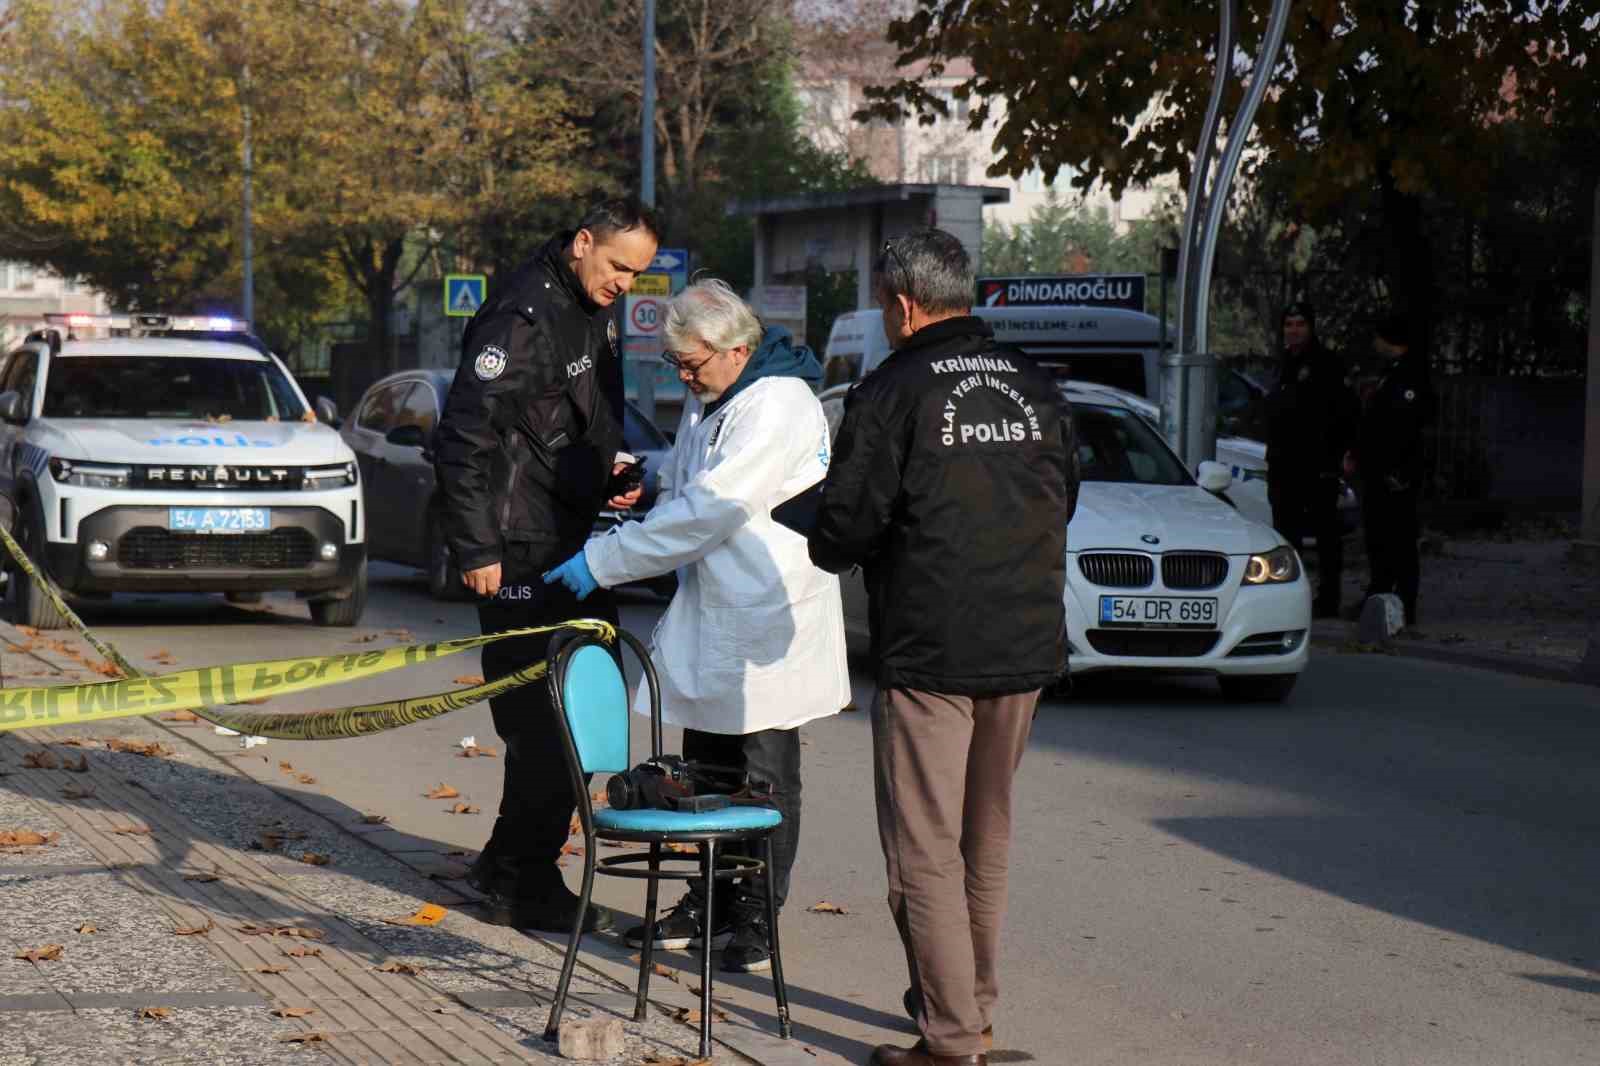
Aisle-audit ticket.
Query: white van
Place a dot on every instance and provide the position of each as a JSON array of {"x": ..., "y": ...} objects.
[{"x": 1106, "y": 346}]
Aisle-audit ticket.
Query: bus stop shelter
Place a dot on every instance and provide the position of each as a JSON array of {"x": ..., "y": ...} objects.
[{"x": 841, "y": 231}]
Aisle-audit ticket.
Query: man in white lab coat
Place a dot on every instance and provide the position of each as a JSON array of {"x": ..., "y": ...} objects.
[{"x": 752, "y": 645}]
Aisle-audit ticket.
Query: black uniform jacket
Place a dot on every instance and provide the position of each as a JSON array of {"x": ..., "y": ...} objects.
[
  {"x": 1312, "y": 416},
  {"x": 1390, "y": 441},
  {"x": 525, "y": 446},
  {"x": 952, "y": 480}
]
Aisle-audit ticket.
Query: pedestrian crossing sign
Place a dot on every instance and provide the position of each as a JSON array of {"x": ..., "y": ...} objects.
[{"x": 463, "y": 294}]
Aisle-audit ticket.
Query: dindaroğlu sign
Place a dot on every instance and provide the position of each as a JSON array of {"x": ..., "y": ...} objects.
[{"x": 1081, "y": 290}]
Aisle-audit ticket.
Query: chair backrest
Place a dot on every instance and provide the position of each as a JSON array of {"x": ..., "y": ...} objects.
[{"x": 594, "y": 697}]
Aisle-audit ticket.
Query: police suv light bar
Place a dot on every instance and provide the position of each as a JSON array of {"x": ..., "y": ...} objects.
[{"x": 143, "y": 321}]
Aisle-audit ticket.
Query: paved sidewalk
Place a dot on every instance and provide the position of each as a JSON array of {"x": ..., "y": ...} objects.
[{"x": 194, "y": 905}]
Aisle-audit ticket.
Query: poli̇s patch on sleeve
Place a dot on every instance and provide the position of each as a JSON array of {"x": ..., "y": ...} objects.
[{"x": 490, "y": 363}]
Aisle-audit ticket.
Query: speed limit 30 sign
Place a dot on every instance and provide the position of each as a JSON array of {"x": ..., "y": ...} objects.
[{"x": 645, "y": 315}]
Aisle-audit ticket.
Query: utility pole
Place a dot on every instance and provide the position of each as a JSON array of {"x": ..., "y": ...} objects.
[
  {"x": 645, "y": 367},
  {"x": 1189, "y": 374},
  {"x": 1587, "y": 549},
  {"x": 248, "y": 299}
]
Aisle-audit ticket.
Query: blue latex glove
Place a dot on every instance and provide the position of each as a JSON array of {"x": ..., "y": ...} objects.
[{"x": 574, "y": 573}]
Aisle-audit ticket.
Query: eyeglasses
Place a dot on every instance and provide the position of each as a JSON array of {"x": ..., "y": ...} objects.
[
  {"x": 676, "y": 361},
  {"x": 889, "y": 250}
]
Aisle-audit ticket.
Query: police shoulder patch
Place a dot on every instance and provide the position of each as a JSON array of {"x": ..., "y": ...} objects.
[{"x": 490, "y": 363}]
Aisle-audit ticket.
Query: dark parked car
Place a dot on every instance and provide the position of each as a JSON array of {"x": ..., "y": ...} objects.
[{"x": 389, "y": 431}]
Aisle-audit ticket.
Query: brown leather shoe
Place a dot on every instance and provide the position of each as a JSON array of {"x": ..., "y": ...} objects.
[{"x": 889, "y": 1055}]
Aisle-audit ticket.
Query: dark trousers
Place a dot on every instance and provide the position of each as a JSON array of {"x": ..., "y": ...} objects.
[
  {"x": 770, "y": 757},
  {"x": 1390, "y": 518},
  {"x": 1309, "y": 505},
  {"x": 537, "y": 802}
]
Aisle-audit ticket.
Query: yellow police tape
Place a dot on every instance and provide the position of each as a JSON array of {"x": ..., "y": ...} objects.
[{"x": 208, "y": 690}]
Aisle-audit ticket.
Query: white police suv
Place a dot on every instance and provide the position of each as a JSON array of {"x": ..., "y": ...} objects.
[{"x": 156, "y": 453}]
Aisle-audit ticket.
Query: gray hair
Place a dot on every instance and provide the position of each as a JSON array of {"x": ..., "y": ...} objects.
[
  {"x": 930, "y": 268},
  {"x": 710, "y": 311}
]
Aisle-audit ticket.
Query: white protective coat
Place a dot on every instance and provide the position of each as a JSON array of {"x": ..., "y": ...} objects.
[{"x": 754, "y": 637}]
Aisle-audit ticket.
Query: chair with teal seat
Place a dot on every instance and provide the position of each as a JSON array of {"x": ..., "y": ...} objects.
[{"x": 587, "y": 686}]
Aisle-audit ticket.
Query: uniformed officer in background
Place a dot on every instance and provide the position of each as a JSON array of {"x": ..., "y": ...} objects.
[
  {"x": 1312, "y": 418},
  {"x": 1388, "y": 459},
  {"x": 526, "y": 453}
]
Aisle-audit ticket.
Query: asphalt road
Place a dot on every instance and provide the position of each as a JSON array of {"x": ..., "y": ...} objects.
[{"x": 1398, "y": 867}]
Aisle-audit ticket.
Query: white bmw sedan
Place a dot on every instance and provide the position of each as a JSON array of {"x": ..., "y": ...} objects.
[{"x": 1164, "y": 574}]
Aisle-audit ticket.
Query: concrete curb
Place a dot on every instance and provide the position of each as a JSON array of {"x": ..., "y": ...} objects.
[{"x": 1340, "y": 634}]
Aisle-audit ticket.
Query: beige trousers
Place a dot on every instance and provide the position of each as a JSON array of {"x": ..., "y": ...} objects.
[{"x": 943, "y": 768}]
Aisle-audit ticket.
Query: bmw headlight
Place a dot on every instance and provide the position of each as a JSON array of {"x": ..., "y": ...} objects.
[
  {"x": 1276, "y": 567},
  {"x": 89, "y": 475},
  {"x": 335, "y": 476}
]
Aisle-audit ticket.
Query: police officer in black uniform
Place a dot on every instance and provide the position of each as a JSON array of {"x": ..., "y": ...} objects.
[
  {"x": 1312, "y": 419},
  {"x": 526, "y": 456},
  {"x": 1388, "y": 458}
]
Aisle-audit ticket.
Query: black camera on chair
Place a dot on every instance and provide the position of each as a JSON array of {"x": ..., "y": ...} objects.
[{"x": 673, "y": 783}]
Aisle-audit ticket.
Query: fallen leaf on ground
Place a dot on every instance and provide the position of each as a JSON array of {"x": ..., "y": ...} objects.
[
  {"x": 682, "y": 848},
  {"x": 664, "y": 971},
  {"x": 474, "y": 752},
  {"x": 72, "y": 792},
  {"x": 48, "y": 953},
  {"x": 181, "y": 716},
  {"x": 303, "y": 931},
  {"x": 305, "y": 779},
  {"x": 286, "y": 767},
  {"x": 373, "y": 819},
  {"x": 87, "y": 928},
  {"x": 195, "y": 930},
  {"x": 400, "y": 967},
  {"x": 469, "y": 679},
  {"x": 303, "y": 953},
  {"x": 105, "y": 669},
  {"x": 41, "y": 760},
  {"x": 598, "y": 798},
  {"x": 427, "y": 914},
  {"x": 273, "y": 839},
  {"x": 442, "y": 792},
  {"x": 25, "y": 838},
  {"x": 201, "y": 878},
  {"x": 366, "y": 638},
  {"x": 72, "y": 742},
  {"x": 313, "y": 858},
  {"x": 691, "y": 1015},
  {"x": 137, "y": 747},
  {"x": 312, "y": 1037},
  {"x": 272, "y": 969},
  {"x": 463, "y": 808},
  {"x": 293, "y": 1012},
  {"x": 155, "y": 1013},
  {"x": 79, "y": 767},
  {"x": 164, "y": 657},
  {"x": 824, "y": 907},
  {"x": 651, "y": 1059},
  {"x": 132, "y": 830},
  {"x": 569, "y": 849},
  {"x": 574, "y": 827}
]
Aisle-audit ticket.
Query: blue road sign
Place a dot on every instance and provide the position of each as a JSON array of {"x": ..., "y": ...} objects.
[
  {"x": 463, "y": 294},
  {"x": 673, "y": 262}
]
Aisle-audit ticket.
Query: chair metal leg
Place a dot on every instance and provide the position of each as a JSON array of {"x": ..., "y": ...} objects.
[
  {"x": 708, "y": 861},
  {"x": 779, "y": 992},
  {"x": 553, "y": 1028},
  {"x": 647, "y": 949}
]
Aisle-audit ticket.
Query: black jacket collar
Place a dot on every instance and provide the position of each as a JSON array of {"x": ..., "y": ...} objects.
[
  {"x": 554, "y": 258},
  {"x": 946, "y": 330}
]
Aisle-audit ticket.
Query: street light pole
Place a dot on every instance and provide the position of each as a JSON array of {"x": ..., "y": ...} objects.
[
  {"x": 645, "y": 366},
  {"x": 248, "y": 299},
  {"x": 1189, "y": 374}
]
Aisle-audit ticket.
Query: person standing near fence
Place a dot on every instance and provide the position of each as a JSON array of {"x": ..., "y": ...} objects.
[
  {"x": 1388, "y": 458},
  {"x": 1311, "y": 425}
]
